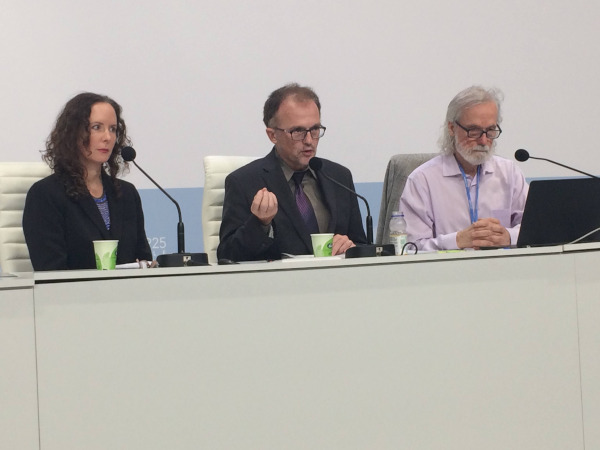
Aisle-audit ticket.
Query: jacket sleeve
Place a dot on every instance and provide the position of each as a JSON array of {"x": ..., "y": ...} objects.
[
  {"x": 142, "y": 248},
  {"x": 242, "y": 236},
  {"x": 44, "y": 229}
]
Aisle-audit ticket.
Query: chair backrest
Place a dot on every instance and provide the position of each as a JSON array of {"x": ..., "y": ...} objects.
[
  {"x": 15, "y": 180},
  {"x": 398, "y": 170},
  {"x": 216, "y": 169}
]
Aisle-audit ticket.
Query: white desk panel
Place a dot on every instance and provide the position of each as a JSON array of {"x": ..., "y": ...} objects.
[
  {"x": 473, "y": 352},
  {"x": 18, "y": 390},
  {"x": 588, "y": 302}
]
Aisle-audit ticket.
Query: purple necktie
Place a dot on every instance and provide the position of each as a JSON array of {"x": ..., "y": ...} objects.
[{"x": 306, "y": 210}]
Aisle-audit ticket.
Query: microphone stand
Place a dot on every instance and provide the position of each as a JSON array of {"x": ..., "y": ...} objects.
[
  {"x": 566, "y": 167},
  {"x": 180, "y": 226},
  {"x": 523, "y": 155},
  {"x": 181, "y": 258},
  {"x": 360, "y": 250}
]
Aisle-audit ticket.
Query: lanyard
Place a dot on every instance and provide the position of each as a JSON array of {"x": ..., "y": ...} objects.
[{"x": 473, "y": 211}]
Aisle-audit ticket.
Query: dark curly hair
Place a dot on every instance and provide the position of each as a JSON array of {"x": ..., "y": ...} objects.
[{"x": 71, "y": 134}]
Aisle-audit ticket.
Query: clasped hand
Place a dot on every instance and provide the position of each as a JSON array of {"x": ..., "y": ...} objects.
[{"x": 486, "y": 232}]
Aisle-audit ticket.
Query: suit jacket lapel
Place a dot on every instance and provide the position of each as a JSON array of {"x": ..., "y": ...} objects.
[
  {"x": 116, "y": 210},
  {"x": 88, "y": 206},
  {"x": 276, "y": 183}
]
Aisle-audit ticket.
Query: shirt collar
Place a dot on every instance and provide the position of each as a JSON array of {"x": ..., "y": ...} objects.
[
  {"x": 450, "y": 166},
  {"x": 288, "y": 172}
]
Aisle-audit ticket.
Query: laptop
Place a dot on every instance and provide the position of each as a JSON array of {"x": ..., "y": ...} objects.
[{"x": 560, "y": 211}]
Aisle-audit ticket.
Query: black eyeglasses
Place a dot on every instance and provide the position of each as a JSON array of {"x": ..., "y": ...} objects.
[
  {"x": 476, "y": 133},
  {"x": 299, "y": 134}
]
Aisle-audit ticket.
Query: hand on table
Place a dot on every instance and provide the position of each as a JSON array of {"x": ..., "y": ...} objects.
[{"x": 341, "y": 243}]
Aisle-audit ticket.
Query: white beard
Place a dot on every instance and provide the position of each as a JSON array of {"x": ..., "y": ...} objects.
[{"x": 476, "y": 155}]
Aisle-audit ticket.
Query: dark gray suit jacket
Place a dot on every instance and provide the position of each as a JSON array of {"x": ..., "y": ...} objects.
[
  {"x": 59, "y": 230},
  {"x": 242, "y": 237}
]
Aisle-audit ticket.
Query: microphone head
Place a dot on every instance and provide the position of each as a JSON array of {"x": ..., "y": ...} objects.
[
  {"x": 315, "y": 163},
  {"x": 521, "y": 155},
  {"x": 128, "y": 153}
]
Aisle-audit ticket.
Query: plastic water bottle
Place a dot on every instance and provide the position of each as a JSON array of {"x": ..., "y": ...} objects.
[{"x": 398, "y": 231}]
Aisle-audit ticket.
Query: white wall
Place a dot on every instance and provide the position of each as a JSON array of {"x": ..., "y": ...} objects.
[{"x": 193, "y": 76}]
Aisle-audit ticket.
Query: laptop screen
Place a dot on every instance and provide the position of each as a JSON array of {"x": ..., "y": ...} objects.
[{"x": 560, "y": 211}]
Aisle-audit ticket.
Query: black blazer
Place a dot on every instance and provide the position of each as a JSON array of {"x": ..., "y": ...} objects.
[
  {"x": 59, "y": 230},
  {"x": 242, "y": 236}
]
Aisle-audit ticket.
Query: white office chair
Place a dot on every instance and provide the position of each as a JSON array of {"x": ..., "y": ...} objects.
[
  {"x": 398, "y": 170},
  {"x": 216, "y": 169},
  {"x": 15, "y": 180}
]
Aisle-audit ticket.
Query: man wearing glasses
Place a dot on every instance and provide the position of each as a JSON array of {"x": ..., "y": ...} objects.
[
  {"x": 466, "y": 197},
  {"x": 274, "y": 204}
]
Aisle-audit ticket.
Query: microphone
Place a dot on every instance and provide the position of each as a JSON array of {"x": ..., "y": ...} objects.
[
  {"x": 361, "y": 251},
  {"x": 181, "y": 258},
  {"x": 523, "y": 155},
  {"x": 316, "y": 164}
]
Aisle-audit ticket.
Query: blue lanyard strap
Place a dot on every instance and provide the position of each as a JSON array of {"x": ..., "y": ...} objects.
[{"x": 473, "y": 211}]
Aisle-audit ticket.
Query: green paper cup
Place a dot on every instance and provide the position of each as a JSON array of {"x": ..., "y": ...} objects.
[
  {"x": 106, "y": 254},
  {"x": 322, "y": 244}
]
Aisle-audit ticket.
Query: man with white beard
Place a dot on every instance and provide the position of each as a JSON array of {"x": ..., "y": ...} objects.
[{"x": 467, "y": 197}]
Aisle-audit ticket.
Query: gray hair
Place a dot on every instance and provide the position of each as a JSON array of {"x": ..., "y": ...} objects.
[{"x": 466, "y": 99}]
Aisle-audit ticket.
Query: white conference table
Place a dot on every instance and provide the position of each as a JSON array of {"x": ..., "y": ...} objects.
[
  {"x": 587, "y": 266},
  {"x": 18, "y": 384},
  {"x": 490, "y": 349}
]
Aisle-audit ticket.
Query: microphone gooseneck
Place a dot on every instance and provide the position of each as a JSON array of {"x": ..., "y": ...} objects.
[
  {"x": 523, "y": 155},
  {"x": 129, "y": 154},
  {"x": 316, "y": 164},
  {"x": 181, "y": 258}
]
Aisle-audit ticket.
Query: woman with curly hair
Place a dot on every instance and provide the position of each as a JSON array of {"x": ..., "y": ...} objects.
[{"x": 83, "y": 200}]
